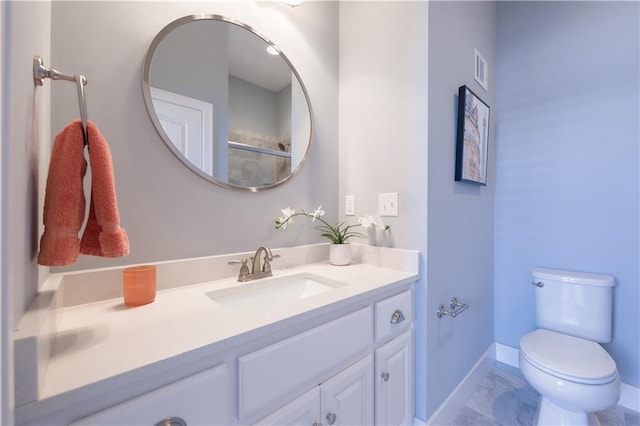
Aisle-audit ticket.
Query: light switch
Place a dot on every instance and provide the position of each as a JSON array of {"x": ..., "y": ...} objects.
[
  {"x": 349, "y": 205},
  {"x": 388, "y": 204}
]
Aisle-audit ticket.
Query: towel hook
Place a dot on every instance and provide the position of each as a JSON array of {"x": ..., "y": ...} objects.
[{"x": 40, "y": 72}]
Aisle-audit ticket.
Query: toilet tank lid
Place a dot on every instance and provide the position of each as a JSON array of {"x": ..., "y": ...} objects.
[{"x": 583, "y": 278}]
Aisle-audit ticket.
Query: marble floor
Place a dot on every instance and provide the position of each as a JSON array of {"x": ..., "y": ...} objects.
[{"x": 504, "y": 398}]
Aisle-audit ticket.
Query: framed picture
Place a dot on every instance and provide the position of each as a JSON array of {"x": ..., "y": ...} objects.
[{"x": 473, "y": 138}]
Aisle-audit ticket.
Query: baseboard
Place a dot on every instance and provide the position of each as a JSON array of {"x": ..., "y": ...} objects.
[
  {"x": 447, "y": 411},
  {"x": 629, "y": 396},
  {"x": 417, "y": 421}
]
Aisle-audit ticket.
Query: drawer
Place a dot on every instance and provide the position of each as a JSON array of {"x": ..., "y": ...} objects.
[
  {"x": 390, "y": 313},
  {"x": 200, "y": 399},
  {"x": 272, "y": 374}
]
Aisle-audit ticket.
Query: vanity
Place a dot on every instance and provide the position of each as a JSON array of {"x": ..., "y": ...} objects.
[{"x": 313, "y": 344}]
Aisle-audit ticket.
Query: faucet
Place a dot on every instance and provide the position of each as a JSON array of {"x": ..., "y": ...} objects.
[
  {"x": 266, "y": 267},
  {"x": 256, "y": 271}
]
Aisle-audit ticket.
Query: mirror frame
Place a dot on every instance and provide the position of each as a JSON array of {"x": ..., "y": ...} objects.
[{"x": 146, "y": 92}]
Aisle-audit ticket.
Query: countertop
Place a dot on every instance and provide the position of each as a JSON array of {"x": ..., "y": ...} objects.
[
  {"x": 104, "y": 339},
  {"x": 120, "y": 338}
]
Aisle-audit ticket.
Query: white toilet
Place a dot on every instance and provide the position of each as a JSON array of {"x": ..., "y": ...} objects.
[{"x": 562, "y": 360}]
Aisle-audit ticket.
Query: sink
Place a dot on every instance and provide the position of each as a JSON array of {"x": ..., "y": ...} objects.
[{"x": 275, "y": 291}]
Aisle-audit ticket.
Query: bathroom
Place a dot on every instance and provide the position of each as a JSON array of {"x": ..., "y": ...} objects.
[{"x": 563, "y": 181}]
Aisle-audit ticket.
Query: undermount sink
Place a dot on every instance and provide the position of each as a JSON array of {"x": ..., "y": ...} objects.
[{"x": 274, "y": 291}]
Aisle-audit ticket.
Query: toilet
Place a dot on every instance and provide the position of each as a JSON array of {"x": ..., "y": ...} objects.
[{"x": 563, "y": 359}]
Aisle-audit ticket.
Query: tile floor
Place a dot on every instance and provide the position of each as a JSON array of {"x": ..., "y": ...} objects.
[{"x": 504, "y": 398}]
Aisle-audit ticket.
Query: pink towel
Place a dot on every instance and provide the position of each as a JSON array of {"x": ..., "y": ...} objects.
[
  {"x": 103, "y": 235},
  {"x": 64, "y": 203},
  {"x": 64, "y": 206}
]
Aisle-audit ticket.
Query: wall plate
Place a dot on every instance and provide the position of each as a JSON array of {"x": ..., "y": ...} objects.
[
  {"x": 349, "y": 205},
  {"x": 388, "y": 204},
  {"x": 481, "y": 73}
]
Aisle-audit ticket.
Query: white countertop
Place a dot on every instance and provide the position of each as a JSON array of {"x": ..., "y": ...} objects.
[{"x": 99, "y": 340}]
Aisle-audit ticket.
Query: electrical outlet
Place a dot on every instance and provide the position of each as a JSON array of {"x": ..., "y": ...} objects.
[
  {"x": 349, "y": 205},
  {"x": 388, "y": 204}
]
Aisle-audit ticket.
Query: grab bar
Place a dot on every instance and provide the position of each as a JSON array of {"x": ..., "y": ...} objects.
[
  {"x": 40, "y": 72},
  {"x": 456, "y": 308}
]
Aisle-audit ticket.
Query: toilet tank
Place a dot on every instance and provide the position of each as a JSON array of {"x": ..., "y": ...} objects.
[{"x": 575, "y": 303}]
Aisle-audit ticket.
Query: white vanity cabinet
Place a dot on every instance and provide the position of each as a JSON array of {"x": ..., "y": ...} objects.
[
  {"x": 201, "y": 399},
  {"x": 345, "y": 399},
  {"x": 377, "y": 389},
  {"x": 340, "y": 357},
  {"x": 394, "y": 362},
  {"x": 394, "y": 381},
  {"x": 267, "y": 376}
]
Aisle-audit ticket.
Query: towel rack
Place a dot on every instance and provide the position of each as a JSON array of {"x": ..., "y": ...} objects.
[{"x": 40, "y": 72}]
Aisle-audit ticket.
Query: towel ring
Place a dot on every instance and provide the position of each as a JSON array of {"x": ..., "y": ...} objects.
[{"x": 40, "y": 72}]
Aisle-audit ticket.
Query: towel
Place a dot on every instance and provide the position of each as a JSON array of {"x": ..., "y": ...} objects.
[
  {"x": 103, "y": 235},
  {"x": 64, "y": 206}
]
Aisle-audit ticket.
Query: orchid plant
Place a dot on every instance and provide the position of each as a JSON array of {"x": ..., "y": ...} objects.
[{"x": 337, "y": 234}]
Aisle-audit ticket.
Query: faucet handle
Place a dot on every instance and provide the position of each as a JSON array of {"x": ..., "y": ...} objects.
[
  {"x": 244, "y": 269},
  {"x": 267, "y": 266}
]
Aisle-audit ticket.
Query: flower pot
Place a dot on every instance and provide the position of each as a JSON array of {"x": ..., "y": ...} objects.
[{"x": 340, "y": 254}]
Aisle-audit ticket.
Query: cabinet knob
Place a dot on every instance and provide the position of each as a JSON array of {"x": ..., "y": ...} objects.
[
  {"x": 385, "y": 376},
  {"x": 397, "y": 317},
  {"x": 331, "y": 418},
  {"x": 172, "y": 421}
]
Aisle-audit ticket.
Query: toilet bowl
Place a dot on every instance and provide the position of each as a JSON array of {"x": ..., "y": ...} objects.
[{"x": 575, "y": 377}]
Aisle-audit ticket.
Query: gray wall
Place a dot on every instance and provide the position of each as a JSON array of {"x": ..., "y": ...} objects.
[
  {"x": 167, "y": 211},
  {"x": 26, "y": 28},
  {"x": 460, "y": 219},
  {"x": 27, "y": 144},
  {"x": 397, "y": 134},
  {"x": 383, "y": 129},
  {"x": 253, "y": 108},
  {"x": 203, "y": 46},
  {"x": 568, "y": 187}
]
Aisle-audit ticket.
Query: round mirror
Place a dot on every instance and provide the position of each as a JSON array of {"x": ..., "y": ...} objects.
[{"x": 227, "y": 102}]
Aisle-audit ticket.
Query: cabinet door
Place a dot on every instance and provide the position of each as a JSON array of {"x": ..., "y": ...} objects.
[
  {"x": 199, "y": 400},
  {"x": 347, "y": 398},
  {"x": 302, "y": 411},
  {"x": 267, "y": 376},
  {"x": 394, "y": 381}
]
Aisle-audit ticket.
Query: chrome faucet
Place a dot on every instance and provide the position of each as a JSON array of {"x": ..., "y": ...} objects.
[
  {"x": 266, "y": 267},
  {"x": 256, "y": 271}
]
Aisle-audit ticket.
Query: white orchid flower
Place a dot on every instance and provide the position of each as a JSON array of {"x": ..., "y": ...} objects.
[
  {"x": 366, "y": 221},
  {"x": 369, "y": 221},
  {"x": 281, "y": 224},
  {"x": 286, "y": 218},
  {"x": 318, "y": 212},
  {"x": 379, "y": 223},
  {"x": 287, "y": 215}
]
